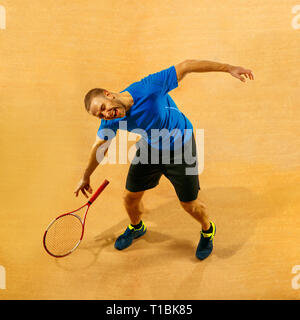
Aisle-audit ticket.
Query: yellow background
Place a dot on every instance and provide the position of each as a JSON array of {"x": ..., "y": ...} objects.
[{"x": 53, "y": 52}]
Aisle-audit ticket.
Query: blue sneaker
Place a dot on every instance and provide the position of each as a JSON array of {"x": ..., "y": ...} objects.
[
  {"x": 205, "y": 245},
  {"x": 125, "y": 239}
]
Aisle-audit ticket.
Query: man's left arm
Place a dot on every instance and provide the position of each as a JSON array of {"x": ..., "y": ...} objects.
[{"x": 188, "y": 66}]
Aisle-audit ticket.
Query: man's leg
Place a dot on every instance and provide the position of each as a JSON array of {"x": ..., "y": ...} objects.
[
  {"x": 197, "y": 210},
  {"x": 135, "y": 209},
  {"x": 134, "y": 205},
  {"x": 187, "y": 187}
]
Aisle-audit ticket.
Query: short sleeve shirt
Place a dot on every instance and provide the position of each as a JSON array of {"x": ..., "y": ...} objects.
[{"x": 154, "y": 115}]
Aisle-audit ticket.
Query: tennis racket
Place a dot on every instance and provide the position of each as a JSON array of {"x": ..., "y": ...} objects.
[{"x": 64, "y": 234}]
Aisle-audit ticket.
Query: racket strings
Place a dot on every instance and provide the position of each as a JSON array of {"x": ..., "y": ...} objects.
[{"x": 63, "y": 235}]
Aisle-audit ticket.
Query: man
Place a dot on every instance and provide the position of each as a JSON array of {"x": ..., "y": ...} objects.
[{"x": 147, "y": 105}]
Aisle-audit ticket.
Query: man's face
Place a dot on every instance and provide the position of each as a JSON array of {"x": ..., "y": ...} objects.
[{"x": 107, "y": 108}]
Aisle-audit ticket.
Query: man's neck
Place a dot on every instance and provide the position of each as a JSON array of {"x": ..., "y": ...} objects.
[{"x": 126, "y": 99}]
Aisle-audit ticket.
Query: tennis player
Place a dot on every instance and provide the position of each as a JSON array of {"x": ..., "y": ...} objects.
[{"x": 167, "y": 145}]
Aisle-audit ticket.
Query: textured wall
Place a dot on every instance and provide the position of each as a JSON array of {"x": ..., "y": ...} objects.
[{"x": 53, "y": 52}]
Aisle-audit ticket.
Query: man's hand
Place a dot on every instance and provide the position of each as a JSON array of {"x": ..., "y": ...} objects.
[
  {"x": 240, "y": 73},
  {"x": 83, "y": 185}
]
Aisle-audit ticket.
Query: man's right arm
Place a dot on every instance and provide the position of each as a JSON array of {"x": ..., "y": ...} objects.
[{"x": 84, "y": 183}]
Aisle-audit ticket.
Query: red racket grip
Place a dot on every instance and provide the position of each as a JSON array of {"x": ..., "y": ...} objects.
[{"x": 96, "y": 194}]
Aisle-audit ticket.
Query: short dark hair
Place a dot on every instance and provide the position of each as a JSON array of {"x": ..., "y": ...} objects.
[{"x": 90, "y": 95}]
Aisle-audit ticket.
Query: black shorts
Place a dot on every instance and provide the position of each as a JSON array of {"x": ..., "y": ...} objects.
[{"x": 180, "y": 167}]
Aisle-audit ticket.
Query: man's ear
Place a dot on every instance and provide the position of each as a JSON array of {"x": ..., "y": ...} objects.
[{"x": 108, "y": 94}]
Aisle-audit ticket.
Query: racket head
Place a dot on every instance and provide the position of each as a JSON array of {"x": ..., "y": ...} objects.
[{"x": 63, "y": 235}]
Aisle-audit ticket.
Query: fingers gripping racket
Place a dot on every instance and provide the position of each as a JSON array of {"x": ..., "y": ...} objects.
[{"x": 64, "y": 234}]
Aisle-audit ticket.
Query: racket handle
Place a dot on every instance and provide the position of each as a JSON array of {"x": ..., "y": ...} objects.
[{"x": 99, "y": 190}]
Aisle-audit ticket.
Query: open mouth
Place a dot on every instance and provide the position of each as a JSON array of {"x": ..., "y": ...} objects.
[{"x": 115, "y": 113}]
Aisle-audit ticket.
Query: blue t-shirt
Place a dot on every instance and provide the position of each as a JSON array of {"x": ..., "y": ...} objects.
[{"x": 154, "y": 115}]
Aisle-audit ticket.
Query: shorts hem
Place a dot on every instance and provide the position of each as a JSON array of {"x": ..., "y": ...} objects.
[
  {"x": 185, "y": 199},
  {"x": 141, "y": 189}
]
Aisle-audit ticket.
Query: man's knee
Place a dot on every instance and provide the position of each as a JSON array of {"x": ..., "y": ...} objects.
[
  {"x": 193, "y": 206},
  {"x": 130, "y": 197}
]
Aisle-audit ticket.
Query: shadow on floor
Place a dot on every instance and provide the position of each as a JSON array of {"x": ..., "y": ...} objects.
[{"x": 236, "y": 212}]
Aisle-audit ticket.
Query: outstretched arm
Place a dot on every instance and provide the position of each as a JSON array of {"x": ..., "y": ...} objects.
[{"x": 188, "y": 66}]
